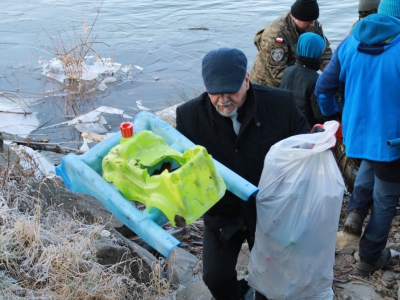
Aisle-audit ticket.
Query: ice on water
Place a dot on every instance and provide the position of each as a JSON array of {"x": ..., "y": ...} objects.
[{"x": 104, "y": 71}]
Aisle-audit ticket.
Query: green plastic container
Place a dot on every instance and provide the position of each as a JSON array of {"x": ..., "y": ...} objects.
[{"x": 182, "y": 185}]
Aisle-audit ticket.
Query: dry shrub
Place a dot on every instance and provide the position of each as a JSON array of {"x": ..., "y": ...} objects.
[
  {"x": 158, "y": 285},
  {"x": 72, "y": 51},
  {"x": 50, "y": 254},
  {"x": 18, "y": 168},
  {"x": 72, "y": 55}
]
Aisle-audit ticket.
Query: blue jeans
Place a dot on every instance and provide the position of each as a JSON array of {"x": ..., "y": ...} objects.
[
  {"x": 361, "y": 198},
  {"x": 386, "y": 196}
]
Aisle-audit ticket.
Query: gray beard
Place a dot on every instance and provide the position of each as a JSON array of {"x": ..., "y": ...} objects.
[{"x": 231, "y": 114}]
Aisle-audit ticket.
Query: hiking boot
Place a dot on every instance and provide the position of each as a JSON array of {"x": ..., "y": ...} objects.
[
  {"x": 354, "y": 222},
  {"x": 365, "y": 268}
]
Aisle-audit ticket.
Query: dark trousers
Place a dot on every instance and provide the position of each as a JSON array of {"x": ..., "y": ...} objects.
[
  {"x": 361, "y": 199},
  {"x": 219, "y": 265},
  {"x": 386, "y": 193}
]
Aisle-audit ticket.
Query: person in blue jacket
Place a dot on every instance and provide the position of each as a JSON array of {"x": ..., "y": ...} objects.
[{"x": 366, "y": 67}]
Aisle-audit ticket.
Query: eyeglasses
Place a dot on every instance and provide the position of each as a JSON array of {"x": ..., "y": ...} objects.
[{"x": 364, "y": 13}]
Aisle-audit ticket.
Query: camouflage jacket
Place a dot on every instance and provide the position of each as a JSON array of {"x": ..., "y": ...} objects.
[{"x": 276, "y": 45}]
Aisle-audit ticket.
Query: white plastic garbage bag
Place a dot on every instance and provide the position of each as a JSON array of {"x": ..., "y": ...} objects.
[{"x": 298, "y": 209}]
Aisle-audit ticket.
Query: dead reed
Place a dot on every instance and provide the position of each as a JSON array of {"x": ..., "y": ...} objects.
[{"x": 72, "y": 52}]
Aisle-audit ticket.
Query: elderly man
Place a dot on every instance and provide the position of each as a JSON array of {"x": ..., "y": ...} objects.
[
  {"x": 370, "y": 90},
  {"x": 237, "y": 122},
  {"x": 277, "y": 43}
]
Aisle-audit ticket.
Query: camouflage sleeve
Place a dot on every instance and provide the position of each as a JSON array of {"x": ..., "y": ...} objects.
[
  {"x": 327, "y": 54},
  {"x": 272, "y": 58}
]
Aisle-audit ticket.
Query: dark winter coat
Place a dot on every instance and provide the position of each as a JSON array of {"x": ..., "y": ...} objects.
[
  {"x": 301, "y": 79},
  {"x": 267, "y": 116}
]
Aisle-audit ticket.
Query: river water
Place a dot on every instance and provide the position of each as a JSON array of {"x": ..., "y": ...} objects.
[{"x": 156, "y": 36}]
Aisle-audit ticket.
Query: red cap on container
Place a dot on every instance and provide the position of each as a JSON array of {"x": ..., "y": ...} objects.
[{"x": 126, "y": 129}]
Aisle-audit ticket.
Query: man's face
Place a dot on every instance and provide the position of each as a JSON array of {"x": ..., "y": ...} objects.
[
  {"x": 228, "y": 104},
  {"x": 303, "y": 26}
]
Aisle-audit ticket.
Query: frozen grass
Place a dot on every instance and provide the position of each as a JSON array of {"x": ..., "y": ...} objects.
[
  {"x": 178, "y": 97},
  {"x": 48, "y": 254}
]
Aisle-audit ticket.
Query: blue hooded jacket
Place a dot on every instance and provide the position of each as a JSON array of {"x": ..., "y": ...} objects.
[{"x": 366, "y": 68}]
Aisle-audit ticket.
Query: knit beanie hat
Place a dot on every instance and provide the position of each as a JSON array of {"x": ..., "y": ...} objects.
[
  {"x": 310, "y": 45},
  {"x": 390, "y": 8},
  {"x": 224, "y": 70},
  {"x": 365, "y": 5},
  {"x": 305, "y": 10}
]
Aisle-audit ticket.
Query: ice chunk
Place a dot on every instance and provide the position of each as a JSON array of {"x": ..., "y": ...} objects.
[
  {"x": 104, "y": 70},
  {"x": 12, "y": 117},
  {"x": 90, "y": 127}
]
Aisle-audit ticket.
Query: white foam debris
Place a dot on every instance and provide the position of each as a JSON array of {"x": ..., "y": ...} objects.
[{"x": 85, "y": 146}]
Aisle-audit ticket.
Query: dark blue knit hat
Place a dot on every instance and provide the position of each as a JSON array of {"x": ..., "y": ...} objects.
[
  {"x": 390, "y": 8},
  {"x": 224, "y": 70}
]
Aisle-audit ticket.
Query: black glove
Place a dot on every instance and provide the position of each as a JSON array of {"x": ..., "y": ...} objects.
[{"x": 335, "y": 117}]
